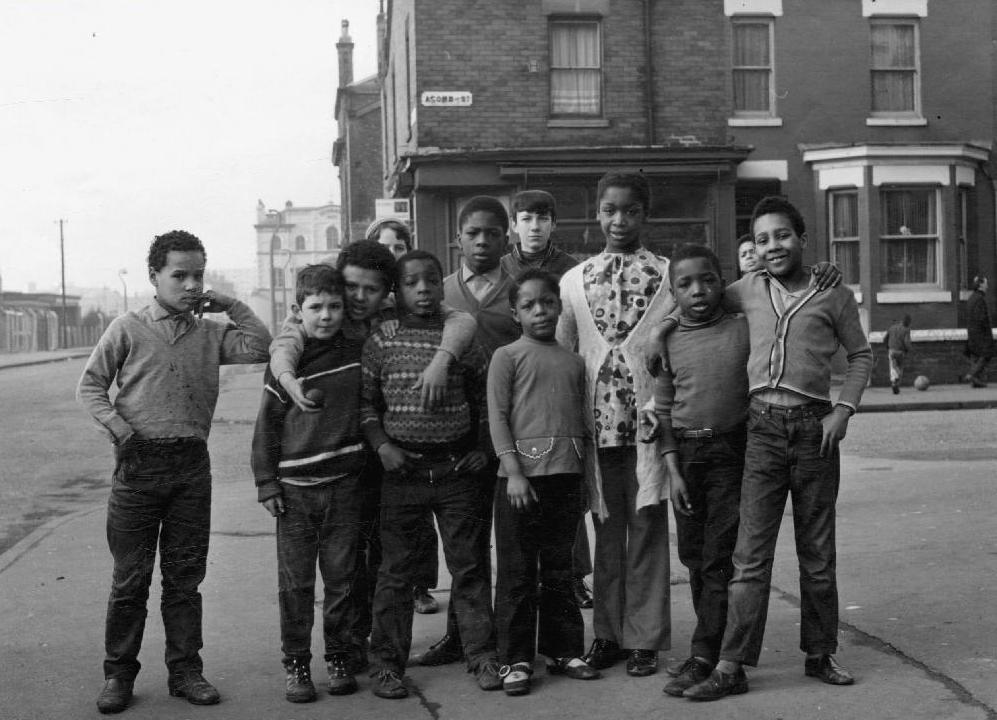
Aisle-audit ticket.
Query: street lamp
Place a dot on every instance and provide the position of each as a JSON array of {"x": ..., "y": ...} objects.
[
  {"x": 286, "y": 265},
  {"x": 124, "y": 286},
  {"x": 274, "y": 241}
]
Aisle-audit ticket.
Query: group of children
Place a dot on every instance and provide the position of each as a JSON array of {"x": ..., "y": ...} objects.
[{"x": 522, "y": 399}]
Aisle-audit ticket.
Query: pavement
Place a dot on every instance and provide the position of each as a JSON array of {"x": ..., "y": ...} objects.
[{"x": 53, "y": 589}]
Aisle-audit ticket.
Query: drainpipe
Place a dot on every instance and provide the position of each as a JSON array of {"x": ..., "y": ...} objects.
[{"x": 649, "y": 84}]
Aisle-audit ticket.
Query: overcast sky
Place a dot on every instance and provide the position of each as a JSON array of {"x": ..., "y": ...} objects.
[{"x": 128, "y": 118}]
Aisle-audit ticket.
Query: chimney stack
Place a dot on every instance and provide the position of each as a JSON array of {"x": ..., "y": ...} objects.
[{"x": 345, "y": 49}]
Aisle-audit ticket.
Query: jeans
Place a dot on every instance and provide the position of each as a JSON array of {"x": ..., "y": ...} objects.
[
  {"x": 538, "y": 538},
  {"x": 319, "y": 524},
  {"x": 712, "y": 469},
  {"x": 456, "y": 501},
  {"x": 160, "y": 495},
  {"x": 631, "y": 593},
  {"x": 783, "y": 458}
]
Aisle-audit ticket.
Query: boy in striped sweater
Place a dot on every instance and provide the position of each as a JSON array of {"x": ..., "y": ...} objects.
[
  {"x": 307, "y": 467},
  {"x": 431, "y": 461}
]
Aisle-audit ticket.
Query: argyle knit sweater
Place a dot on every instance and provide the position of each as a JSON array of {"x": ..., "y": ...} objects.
[{"x": 391, "y": 408}]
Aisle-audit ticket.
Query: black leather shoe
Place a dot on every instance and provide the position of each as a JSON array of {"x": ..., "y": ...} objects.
[
  {"x": 447, "y": 650},
  {"x": 576, "y": 671},
  {"x": 581, "y": 593},
  {"x": 642, "y": 663},
  {"x": 115, "y": 696},
  {"x": 603, "y": 654},
  {"x": 826, "y": 669},
  {"x": 719, "y": 685},
  {"x": 693, "y": 671},
  {"x": 341, "y": 680},
  {"x": 191, "y": 684}
]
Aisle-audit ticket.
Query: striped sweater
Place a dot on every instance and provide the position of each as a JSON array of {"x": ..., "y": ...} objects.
[
  {"x": 300, "y": 448},
  {"x": 391, "y": 408}
]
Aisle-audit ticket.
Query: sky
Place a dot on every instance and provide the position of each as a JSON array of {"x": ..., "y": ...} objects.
[{"x": 129, "y": 119}]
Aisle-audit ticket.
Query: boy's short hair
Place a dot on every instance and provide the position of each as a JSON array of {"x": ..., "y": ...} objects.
[
  {"x": 693, "y": 250},
  {"x": 318, "y": 278},
  {"x": 635, "y": 181},
  {"x": 483, "y": 203},
  {"x": 746, "y": 238},
  {"x": 174, "y": 240},
  {"x": 370, "y": 255},
  {"x": 401, "y": 230},
  {"x": 533, "y": 274},
  {"x": 419, "y": 255},
  {"x": 775, "y": 204},
  {"x": 535, "y": 201},
  {"x": 978, "y": 280}
]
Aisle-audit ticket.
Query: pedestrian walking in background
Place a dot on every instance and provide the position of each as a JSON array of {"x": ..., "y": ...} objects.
[
  {"x": 980, "y": 337},
  {"x": 897, "y": 346}
]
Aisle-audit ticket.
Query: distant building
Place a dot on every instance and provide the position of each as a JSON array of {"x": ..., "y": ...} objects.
[
  {"x": 286, "y": 240},
  {"x": 357, "y": 150}
]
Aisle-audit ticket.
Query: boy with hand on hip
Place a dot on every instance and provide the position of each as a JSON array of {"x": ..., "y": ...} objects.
[
  {"x": 700, "y": 406},
  {"x": 536, "y": 391},
  {"x": 164, "y": 359},
  {"x": 611, "y": 304},
  {"x": 793, "y": 435},
  {"x": 307, "y": 467},
  {"x": 431, "y": 461}
]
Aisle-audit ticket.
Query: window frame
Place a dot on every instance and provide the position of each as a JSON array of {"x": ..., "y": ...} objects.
[
  {"x": 556, "y": 20},
  {"x": 855, "y": 240},
  {"x": 915, "y": 113},
  {"x": 883, "y": 239},
  {"x": 753, "y": 115}
]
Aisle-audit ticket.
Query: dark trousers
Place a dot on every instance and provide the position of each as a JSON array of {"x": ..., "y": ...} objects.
[
  {"x": 160, "y": 495},
  {"x": 455, "y": 500},
  {"x": 712, "y": 469},
  {"x": 536, "y": 544},
  {"x": 581, "y": 553},
  {"x": 319, "y": 524},
  {"x": 783, "y": 459}
]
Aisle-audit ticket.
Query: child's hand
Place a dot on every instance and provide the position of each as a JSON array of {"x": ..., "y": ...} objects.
[
  {"x": 274, "y": 505},
  {"x": 394, "y": 458},
  {"x": 826, "y": 275},
  {"x": 835, "y": 426},
  {"x": 472, "y": 462},
  {"x": 294, "y": 388},
  {"x": 520, "y": 492},
  {"x": 433, "y": 381},
  {"x": 650, "y": 428},
  {"x": 389, "y": 327},
  {"x": 680, "y": 494},
  {"x": 655, "y": 352},
  {"x": 213, "y": 302}
]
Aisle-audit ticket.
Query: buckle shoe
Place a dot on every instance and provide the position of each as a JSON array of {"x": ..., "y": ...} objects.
[
  {"x": 826, "y": 669},
  {"x": 516, "y": 678},
  {"x": 447, "y": 650},
  {"x": 693, "y": 671},
  {"x": 115, "y": 695},
  {"x": 191, "y": 684},
  {"x": 298, "y": 685},
  {"x": 341, "y": 680},
  {"x": 718, "y": 685}
]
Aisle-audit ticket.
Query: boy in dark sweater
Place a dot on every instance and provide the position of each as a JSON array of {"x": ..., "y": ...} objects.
[
  {"x": 431, "y": 461},
  {"x": 307, "y": 467},
  {"x": 700, "y": 405}
]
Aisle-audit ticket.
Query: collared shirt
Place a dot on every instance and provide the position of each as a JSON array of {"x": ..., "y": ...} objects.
[
  {"x": 480, "y": 283},
  {"x": 165, "y": 366},
  {"x": 618, "y": 287}
]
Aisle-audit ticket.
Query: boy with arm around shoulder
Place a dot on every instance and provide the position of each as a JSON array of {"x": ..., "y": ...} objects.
[
  {"x": 307, "y": 467},
  {"x": 164, "y": 359}
]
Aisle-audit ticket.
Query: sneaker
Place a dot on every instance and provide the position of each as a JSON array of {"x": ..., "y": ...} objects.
[
  {"x": 425, "y": 603},
  {"x": 388, "y": 685},
  {"x": 191, "y": 684},
  {"x": 298, "y": 685},
  {"x": 447, "y": 650},
  {"x": 516, "y": 678},
  {"x": 718, "y": 685},
  {"x": 341, "y": 680},
  {"x": 693, "y": 671},
  {"x": 487, "y": 675},
  {"x": 115, "y": 696}
]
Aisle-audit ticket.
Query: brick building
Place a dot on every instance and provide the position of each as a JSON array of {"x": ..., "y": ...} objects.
[{"x": 859, "y": 111}]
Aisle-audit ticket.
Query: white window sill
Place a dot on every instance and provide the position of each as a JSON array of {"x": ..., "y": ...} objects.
[
  {"x": 895, "y": 297},
  {"x": 896, "y": 122},
  {"x": 754, "y": 122},
  {"x": 578, "y": 123}
]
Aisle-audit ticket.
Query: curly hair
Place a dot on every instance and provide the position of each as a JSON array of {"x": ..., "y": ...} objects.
[
  {"x": 635, "y": 181},
  {"x": 174, "y": 240},
  {"x": 370, "y": 255}
]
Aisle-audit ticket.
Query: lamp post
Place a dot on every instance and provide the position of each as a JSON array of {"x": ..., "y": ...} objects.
[
  {"x": 287, "y": 263},
  {"x": 274, "y": 241},
  {"x": 124, "y": 286}
]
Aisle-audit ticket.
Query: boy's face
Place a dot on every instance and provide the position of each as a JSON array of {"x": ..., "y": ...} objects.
[
  {"x": 180, "y": 281},
  {"x": 620, "y": 216},
  {"x": 389, "y": 238},
  {"x": 534, "y": 229},
  {"x": 779, "y": 248},
  {"x": 697, "y": 287},
  {"x": 537, "y": 309},
  {"x": 365, "y": 291},
  {"x": 321, "y": 314},
  {"x": 747, "y": 260},
  {"x": 421, "y": 290},
  {"x": 482, "y": 241}
]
